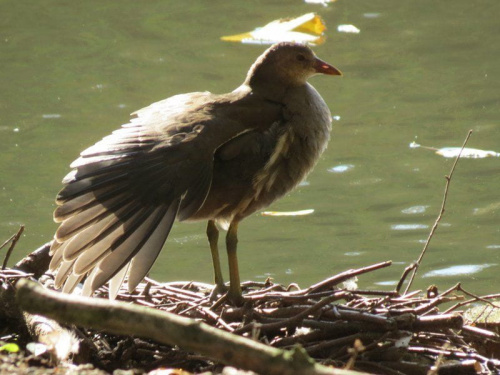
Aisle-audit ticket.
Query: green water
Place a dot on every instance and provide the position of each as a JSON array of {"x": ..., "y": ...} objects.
[{"x": 422, "y": 71}]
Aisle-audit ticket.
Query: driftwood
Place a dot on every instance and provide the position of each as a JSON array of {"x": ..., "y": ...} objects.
[{"x": 167, "y": 328}]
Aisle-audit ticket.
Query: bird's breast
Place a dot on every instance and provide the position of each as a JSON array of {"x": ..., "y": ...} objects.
[{"x": 298, "y": 141}]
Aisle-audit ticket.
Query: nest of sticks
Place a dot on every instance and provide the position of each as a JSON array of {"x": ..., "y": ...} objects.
[{"x": 383, "y": 332}]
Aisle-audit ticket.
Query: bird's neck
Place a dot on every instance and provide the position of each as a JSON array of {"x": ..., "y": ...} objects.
[{"x": 266, "y": 82}]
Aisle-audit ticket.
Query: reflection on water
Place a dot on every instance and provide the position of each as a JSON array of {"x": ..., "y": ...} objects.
[
  {"x": 341, "y": 168},
  {"x": 422, "y": 71},
  {"x": 414, "y": 210},
  {"x": 467, "y": 269}
]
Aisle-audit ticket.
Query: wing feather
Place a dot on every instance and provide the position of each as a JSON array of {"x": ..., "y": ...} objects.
[
  {"x": 143, "y": 261},
  {"x": 120, "y": 200},
  {"x": 110, "y": 265}
]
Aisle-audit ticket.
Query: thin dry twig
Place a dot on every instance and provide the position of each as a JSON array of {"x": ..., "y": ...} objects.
[
  {"x": 438, "y": 219},
  {"x": 14, "y": 240}
]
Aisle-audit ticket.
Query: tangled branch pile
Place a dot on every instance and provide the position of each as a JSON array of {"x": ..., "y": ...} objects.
[{"x": 382, "y": 332}]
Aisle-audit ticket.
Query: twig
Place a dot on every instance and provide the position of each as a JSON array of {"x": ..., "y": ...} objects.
[
  {"x": 476, "y": 297},
  {"x": 464, "y": 303},
  {"x": 439, "y": 360},
  {"x": 402, "y": 279},
  {"x": 290, "y": 321},
  {"x": 341, "y": 277},
  {"x": 14, "y": 240},
  {"x": 441, "y": 212},
  {"x": 483, "y": 333}
]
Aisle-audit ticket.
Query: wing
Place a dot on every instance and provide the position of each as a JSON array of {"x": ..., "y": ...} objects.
[{"x": 119, "y": 202}]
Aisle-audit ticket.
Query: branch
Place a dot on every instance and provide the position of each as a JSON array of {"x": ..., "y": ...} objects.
[
  {"x": 126, "y": 319},
  {"x": 441, "y": 212},
  {"x": 14, "y": 240}
]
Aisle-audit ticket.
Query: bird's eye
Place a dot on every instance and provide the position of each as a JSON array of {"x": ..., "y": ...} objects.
[{"x": 301, "y": 57}]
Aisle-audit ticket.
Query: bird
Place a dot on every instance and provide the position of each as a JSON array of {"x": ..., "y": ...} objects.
[{"x": 195, "y": 156}]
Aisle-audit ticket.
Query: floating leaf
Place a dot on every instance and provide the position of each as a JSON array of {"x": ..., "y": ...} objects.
[
  {"x": 308, "y": 28},
  {"x": 348, "y": 29},
  {"x": 11, "y": 348},
  {"x": 322, "y": 2},
  {"x": 453, "y": 152},
  {"x": 287, "y": 213},
  {"x": 472, "y": 153}
]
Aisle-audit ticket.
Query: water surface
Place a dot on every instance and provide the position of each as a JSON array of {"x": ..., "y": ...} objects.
[{"x": 421, "y": 71}]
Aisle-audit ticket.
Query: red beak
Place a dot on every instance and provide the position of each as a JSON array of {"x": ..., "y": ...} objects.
[{"x": 322, "y": 67}]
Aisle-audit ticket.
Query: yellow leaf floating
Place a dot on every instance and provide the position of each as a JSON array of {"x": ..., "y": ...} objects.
[
  {"x": 308, "y": 28},
  {"x": 287, "y": 213},
  {"x": 453, "y": 152}
]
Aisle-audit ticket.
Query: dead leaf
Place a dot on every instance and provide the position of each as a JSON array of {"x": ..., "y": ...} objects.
[
  {"x": 453, "y": 152},
  {"x": 308, "y": 28},
  {"x": 322, "y": 2},
  {"x": 351, "y": 29},
  {"x": 471, "y": 153},
  {"x": 288, "y": 213}
]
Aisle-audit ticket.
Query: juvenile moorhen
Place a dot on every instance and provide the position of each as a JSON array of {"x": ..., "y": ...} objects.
[{"x": 196, "y": 156}]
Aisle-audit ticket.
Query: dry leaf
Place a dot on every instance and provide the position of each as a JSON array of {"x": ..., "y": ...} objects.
[
  {"x": 472, "y": 153},
  {"x": 308, "y": 28},
  {"x": 348, "y": 29},
  {"x": 453, "y": 152},
  {"x": 287, "y": 213},
  {"x": 322, "y": 2}
]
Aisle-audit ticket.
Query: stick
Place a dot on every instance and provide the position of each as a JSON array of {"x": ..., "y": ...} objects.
[
  {"x": 125, "y": 319},
  {"x": 14, "y": 239},
  {"x": 341, "y": 277},
  {"x": 436, "y": 223}
]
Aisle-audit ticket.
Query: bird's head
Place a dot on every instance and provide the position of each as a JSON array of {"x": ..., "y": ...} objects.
[{"x": 287, "y": 65}]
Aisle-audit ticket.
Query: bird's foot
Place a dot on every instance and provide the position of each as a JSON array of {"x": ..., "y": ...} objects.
[
  {"x": 236, "y": 300},
  {"x": 235, "y": 297},
  {"x": 218, "y": 291}
]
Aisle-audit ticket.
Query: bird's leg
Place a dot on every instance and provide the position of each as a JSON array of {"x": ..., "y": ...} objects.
[
  {"x": 213, "y": 238},
  {"x": 234, "y": 293}
]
